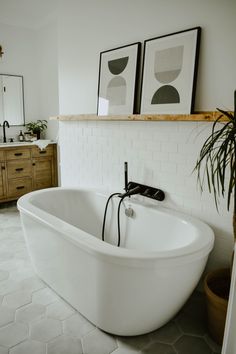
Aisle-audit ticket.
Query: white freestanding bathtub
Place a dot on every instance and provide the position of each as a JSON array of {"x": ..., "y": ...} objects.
[{"x": 127, "y": 290}]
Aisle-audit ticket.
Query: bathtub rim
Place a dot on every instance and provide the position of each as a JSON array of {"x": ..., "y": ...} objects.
[{"x": 92, "y": 244}]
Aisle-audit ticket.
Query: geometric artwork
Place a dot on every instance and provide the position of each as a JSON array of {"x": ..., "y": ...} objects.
[
  {"x": 169, "y": 73},
  {"x": 118, "y": 69}
]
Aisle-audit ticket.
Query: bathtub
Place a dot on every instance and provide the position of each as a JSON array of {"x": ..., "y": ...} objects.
[{"x": 128, "y": 290}]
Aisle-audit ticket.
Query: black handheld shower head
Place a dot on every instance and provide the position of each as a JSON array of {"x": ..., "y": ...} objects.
[{"x": 126, "y": 175}]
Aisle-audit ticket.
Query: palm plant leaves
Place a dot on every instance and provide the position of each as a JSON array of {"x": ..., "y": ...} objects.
[{"x": 217, "y": 158}]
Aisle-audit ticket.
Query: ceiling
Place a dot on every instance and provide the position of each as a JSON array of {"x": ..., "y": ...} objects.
[{"x": 27, "y": 13}]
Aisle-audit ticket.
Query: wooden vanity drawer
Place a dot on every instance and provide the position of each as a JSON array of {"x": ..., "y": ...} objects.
[
  {"x": 21, "y": 168},
  {"x": 1, "y": 155},
  {"x": 15, "y": 154},
  {"x": 19, "y": 186},
  {"x": 36, "y": 152}
]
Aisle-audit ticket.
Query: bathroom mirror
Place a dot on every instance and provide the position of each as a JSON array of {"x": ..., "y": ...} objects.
[{"x": 12, "y": 99}]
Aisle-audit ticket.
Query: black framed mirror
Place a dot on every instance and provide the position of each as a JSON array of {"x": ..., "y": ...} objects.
[{"x": 12, "y": 99}]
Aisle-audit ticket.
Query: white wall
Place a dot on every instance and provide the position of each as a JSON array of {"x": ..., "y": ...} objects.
[
  {"x": 21, "y": 58},
  {"x": 88, "y": 27},
  {"x": 159, "y": 153},
  {"x": 47, "y": 38},
  {"x": 33, "y": 54}
]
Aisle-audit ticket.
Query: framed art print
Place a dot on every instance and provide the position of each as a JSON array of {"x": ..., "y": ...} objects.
[
  {"x": 170, "y": 72},
  {"x": 118, "y": 71}
]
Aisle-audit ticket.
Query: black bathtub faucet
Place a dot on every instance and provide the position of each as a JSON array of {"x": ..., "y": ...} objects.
[
  {"x": 131, "y": 191},
  {"x": 132, "y": 188}
]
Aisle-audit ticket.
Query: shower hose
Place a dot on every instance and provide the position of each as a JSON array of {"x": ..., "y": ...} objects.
[{"x": 118, "y": 218}]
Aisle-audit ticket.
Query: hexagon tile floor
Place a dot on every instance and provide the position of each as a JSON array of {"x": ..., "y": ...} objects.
[{"x": 35, "y": 320}]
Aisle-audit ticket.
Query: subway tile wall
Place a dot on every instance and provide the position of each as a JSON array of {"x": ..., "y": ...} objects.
[{"x": 160, "y": 154}]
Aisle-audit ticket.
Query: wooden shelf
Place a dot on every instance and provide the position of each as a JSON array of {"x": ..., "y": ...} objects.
[{"x": 195, "y": 117}]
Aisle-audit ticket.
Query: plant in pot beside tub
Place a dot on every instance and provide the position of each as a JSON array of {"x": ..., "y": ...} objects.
[
  {"x": 37, "y": 127},
  {"x": 217, "y": 164}
]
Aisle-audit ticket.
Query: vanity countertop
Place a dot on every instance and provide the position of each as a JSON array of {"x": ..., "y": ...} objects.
[{"x": 18, "y": 143}]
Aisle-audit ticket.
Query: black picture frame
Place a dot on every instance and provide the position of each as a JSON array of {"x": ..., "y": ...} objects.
[
  {"x": 169, "y": 73},
  {"x": 117, "y": 81}
]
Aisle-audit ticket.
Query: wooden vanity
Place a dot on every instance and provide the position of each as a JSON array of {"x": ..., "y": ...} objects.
[{"x": 24, "y": 168}]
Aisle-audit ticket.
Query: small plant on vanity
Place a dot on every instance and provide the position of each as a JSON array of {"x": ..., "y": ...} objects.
[
  {"x": 217, "y": 165},
  {"x": 37, "y": 127}
]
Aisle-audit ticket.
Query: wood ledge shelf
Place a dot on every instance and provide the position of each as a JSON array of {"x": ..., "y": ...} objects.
[{"x": 195, "y": 117}]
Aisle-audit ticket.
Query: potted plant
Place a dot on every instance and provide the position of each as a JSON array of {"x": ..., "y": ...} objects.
[
  {"x": 217, "y": 165},
  {"x": 37, "y": 127}
]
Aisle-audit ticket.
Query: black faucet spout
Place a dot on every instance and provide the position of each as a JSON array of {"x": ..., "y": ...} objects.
[
  {"x": 145, "y": 191},
  {"x": 5, "y": 124},
  {"x": 136, "y": 190}
]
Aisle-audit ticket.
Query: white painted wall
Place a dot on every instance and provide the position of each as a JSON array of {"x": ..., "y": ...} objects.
[
  {"x": 88, "y": 27},
  {"x": 161, "y": 154},
  {"x": 33, "y": 54},
  {"x": 21, "y": 58},
  {"x": 47, "y": 38}
]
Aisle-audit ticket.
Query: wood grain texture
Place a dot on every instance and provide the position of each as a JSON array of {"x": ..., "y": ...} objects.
[
  {"x": 196, "y": 117},
  {"x": 23, "y": 169}
]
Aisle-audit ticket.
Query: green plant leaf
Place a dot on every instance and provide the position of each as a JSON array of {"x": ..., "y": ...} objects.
[{"x": 217, "y": 156}]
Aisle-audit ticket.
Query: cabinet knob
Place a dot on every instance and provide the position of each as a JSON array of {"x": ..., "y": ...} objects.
[
  {"x": 3, "y": 167},
  {"x": 33, "y": 164}
]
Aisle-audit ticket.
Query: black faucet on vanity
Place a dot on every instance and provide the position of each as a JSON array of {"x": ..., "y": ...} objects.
[
  {"x": 5, "y": 124},
  {"x": 132, "y": 188}
]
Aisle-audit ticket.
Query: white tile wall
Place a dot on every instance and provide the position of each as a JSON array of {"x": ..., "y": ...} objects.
[{"x": 161, "y": 154}]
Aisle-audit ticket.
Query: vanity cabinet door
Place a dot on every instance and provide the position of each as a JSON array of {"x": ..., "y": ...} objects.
[
  {"x": 43, "y": 171},
  {"x": 44, "y": 164},
  {"x": 2, "y": 180},
  {"x": 2, "y": 175}
]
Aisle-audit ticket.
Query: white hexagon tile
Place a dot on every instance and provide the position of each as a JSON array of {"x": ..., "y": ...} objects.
[
  {"x": 35, "y": 320},
  {"x": 30, "y": 313},
  {"x": 7, "y": 315}
]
